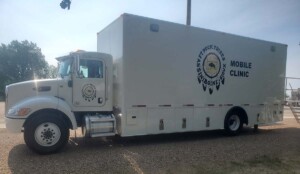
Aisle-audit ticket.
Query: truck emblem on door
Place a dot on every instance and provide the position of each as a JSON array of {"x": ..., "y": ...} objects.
[
  {"x": 89, "y": 92},
  {"x": 211, "y": 68}
]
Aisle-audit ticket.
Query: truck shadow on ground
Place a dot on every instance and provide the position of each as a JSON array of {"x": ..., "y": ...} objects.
[
  {"x": 100, "y": 152},
  {"x": 158, "y": 139}
]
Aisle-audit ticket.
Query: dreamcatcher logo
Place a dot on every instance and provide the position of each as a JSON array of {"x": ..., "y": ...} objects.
[
  {"x": 89, "y": 92},
  {"x": 211, "y": 68}
]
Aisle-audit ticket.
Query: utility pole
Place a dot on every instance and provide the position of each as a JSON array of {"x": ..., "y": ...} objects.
[{"x": 188, "y": 13}]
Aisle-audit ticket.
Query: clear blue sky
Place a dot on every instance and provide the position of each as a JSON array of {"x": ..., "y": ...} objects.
[{"x": 58, "y": 32}]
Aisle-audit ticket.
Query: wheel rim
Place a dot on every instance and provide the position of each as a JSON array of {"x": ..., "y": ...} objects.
[
  {"x": 47, "y": 134},
  {"x": 234, "y": 122}
]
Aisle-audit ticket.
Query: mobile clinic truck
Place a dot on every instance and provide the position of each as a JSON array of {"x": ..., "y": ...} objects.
[{"x": 152, "y": 77}]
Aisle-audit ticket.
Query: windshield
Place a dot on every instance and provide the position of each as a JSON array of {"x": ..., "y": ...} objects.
[{"x": 64, "y": 67}]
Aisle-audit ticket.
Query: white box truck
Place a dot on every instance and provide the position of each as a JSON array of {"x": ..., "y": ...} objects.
[{"x": 152, "y": 77}]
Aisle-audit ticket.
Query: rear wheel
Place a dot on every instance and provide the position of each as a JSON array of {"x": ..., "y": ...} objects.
[
  {"x": 46, "y": 133},
  {"x": 233, "y": 123}
]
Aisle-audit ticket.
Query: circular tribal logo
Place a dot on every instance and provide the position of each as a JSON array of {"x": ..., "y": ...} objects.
[
  {"x": 211, "y": 68},
  {"x": 89, "y": 92},
  {"x": 211, "y": 65}
]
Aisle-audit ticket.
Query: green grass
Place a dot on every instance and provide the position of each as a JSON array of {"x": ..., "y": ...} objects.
[
  {"x": 263, "y": 164},
  {"x": 270, "y": 162}
]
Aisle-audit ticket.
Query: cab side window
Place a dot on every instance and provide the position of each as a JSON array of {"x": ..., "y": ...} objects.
[{"x": 91, "y": 68}]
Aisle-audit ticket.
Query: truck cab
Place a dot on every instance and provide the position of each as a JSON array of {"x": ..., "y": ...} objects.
[
  {"x": 46, "y": 109},
  {"x": 86, "y": 81}
]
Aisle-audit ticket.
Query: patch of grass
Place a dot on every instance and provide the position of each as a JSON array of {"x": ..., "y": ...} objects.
[
  {"x": 267, "y": 161},
  {"x": 236, "y": 164},
  {"x": 262, "y": 164}
]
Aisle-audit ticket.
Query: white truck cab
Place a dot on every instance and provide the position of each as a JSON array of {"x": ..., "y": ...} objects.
[{"x": 46, "y": 109}]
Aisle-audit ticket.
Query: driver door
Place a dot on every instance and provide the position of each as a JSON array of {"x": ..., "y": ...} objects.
[{"x": 89, "y": 83}]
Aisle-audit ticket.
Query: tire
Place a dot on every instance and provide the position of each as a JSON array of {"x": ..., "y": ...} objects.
[
  {"x": 233, "y": 123},
  {"x": 46, "y": 133}
]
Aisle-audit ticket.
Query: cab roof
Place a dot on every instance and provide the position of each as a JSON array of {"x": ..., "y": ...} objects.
[{"x": 83, "y": 54}]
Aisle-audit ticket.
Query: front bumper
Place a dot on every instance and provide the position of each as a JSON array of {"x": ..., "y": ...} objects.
[{"x": 14, "y": 125}]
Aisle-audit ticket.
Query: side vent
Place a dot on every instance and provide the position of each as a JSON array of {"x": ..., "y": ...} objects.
[
  {"x": 154, "y": 27},
  {"x": 42, "y": 88},
  {"x": 183, "y": 123},
  {"x": 161, "y": 124},
  {"x": 207, "y": 122},
  {"x": 273, "y": 48}
]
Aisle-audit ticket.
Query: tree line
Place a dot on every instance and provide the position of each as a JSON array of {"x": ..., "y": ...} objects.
[{"x": 21, "y": 61}]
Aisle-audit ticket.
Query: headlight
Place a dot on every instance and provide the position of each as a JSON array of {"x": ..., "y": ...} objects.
[
  {"x": 19, "y": 112},
  {"x": 12, "y": 112}
]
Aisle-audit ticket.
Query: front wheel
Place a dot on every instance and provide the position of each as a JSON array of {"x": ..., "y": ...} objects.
[
  {"x": 46, "y": 133},
  {"x": 233, "y": 123}
]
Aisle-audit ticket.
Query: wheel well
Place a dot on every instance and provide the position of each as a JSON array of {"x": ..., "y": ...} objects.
[
  {"x": 241, "y": 112},
  {"x": 56, "y": 112}
]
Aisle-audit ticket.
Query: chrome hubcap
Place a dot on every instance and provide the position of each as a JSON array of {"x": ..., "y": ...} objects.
[
  {"x": 47, "y": 134},
  {"x": 234, "y": 122}
]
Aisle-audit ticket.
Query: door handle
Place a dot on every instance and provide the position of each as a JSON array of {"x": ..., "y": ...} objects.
[{"x": 100, "y": 100}]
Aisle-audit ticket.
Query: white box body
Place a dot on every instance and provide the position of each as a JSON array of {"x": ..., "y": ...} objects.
[{"x": 188, "y": 77}]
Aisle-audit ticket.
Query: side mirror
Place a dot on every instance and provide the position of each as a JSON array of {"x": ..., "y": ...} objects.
[{"x": 80, "y": 75}]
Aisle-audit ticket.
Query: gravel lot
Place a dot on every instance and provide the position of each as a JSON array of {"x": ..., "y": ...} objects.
[{"x": 274, "y": 149}]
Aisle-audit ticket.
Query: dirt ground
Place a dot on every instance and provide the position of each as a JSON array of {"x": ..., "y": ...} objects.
[{"x": 273, "y": 149}]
